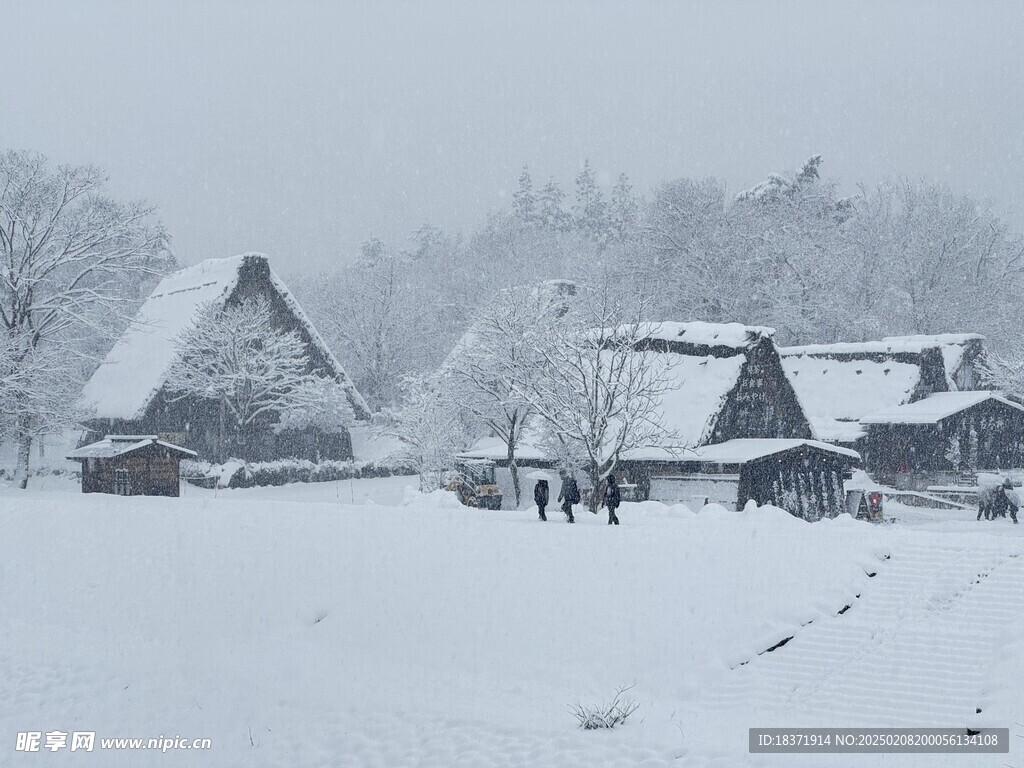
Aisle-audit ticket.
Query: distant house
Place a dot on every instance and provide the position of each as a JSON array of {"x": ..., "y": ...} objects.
[
  {"x": 735, "y": 412},
  {"x": 840, "y": 384},
  {"x": 932, "y": 441},
  {"x": 131, "y": 465},
  {"x": 127, "y": 393}
]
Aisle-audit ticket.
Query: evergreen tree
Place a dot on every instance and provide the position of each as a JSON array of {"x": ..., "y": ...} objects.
[
  {"x": 372, "y": 252},
  {"x": 589, "y": 210},
  {"x": 622, "y": 210},
  {"x": 550, "y": 207},
  {"x": 524, "y": 202}
]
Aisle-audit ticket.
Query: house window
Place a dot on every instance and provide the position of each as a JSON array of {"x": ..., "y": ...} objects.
[{"x": 122, "y": 482}]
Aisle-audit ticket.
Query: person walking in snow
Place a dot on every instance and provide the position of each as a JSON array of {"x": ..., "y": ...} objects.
[
  {"x": 540, "y": 496},
  {"x": 991, "y": 499},
  {"x": 568, "y": 494},
  {"x": 612, "y": 499},
  {"x": 1012, "y": 499}
]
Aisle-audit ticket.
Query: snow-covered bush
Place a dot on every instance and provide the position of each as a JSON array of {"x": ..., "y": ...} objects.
[
  {"x": 616, "y": 712},
  {"x": 239, "y": 474}
]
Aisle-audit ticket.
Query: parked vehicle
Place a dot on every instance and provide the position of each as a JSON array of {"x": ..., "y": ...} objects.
[{"x": 475, "y": 484}]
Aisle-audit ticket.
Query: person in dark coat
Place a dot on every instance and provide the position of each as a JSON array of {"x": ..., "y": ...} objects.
[
  {"x": 569, "y": 494},
  {"x": 991, "y": 500},
  {"x": 540, "y": 496},
  {"x": 612, "y": 499},
  {"x": 1012, "y": 499}
]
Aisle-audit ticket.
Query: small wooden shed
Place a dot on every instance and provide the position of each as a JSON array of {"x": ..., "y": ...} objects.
[
  {"x": 804, "y": 477},
  {"x": 131, "y": 465}
]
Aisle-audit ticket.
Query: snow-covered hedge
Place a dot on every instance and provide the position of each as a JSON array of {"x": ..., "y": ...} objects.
[
  {"x": 235, "y": 473},
  {"x": 7, "y": 474}
]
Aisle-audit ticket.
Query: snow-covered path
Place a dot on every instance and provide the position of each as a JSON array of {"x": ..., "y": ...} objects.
[{"x": 916, "y": 649}]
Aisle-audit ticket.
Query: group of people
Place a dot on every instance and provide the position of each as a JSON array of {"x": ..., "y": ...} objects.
[
  {"x": 996, "y": 500},
  {"x": 569, "y": 494}
]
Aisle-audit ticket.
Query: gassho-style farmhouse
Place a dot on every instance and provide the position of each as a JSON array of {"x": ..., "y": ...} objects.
[{"x": 754, "y": 421}]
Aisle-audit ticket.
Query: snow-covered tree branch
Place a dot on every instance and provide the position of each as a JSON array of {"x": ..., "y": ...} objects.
[
  {"x": 71, "y": 260},
  {"x": 258, "y": 373},
  {"x": 495, "y": 366},
  {"x": 431, "y": 425},
  {"x": 598, "y": 397}
]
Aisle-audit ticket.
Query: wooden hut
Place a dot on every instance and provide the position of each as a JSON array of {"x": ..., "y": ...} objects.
[
  {"x": 131, "y": 465},
  {"x": 804, "y": 477},
  {"x": 935, "y": 440}
]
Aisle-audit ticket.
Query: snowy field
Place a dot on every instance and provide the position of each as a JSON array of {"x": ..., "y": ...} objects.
[{"x": 357, "y": 624}]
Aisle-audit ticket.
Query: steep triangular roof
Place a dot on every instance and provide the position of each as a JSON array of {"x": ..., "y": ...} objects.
[
  {"x": 135, "y": 369},
  {"x": 701, "y": 363},
  {"x": 840, "y": 384}
]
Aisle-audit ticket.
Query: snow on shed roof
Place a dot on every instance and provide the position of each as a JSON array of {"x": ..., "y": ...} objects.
[
  {"x": 835, "y": 393},
  {"x": 734, "y": 335},
  {"x": 935, "y": 408},
  {"x": 136, "y": 367},
  {"x": 739, "y": 451},
  {"x": 118, "y": 445}
]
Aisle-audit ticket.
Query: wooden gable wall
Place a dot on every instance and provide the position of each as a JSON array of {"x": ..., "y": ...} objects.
[{"x": 763, "y": 403}]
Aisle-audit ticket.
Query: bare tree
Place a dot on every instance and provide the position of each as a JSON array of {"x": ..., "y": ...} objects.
[
  {"x": 496, "y": 363},
  {"x": 599, "y": 395},
  {"x": 1005, "y": 370},
  {"x": 431, "y": 425},
  {"x": 257, "y": 373},
  {"x": 371, "y": 316},
  {"x": 70, "y": 259},
  {"x": 43, "y": 381}
]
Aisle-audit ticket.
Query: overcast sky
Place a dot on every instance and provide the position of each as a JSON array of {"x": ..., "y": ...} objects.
[{"x": 297, "y": 127}]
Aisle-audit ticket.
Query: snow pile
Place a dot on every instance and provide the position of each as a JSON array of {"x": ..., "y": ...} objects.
[{"x": 439, "y": 499}]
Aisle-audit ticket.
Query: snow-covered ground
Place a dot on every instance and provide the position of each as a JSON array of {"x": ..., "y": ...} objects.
[{"x": 294, "y": 627}]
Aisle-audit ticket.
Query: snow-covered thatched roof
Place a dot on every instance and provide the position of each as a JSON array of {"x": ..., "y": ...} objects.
[
  {"x": 700, "y": 367},
  {"x": 118, "y": 445},
  {"x": 135, "y": 369},
  {"x": 840, "y": 384},
  {"x": 951, "y": 345},
  {"x": 698, "y": 388},
  {"x": 700, "y": 334},
  {"x": 835, "y": 394},
  {"x": 935, "y": 408}
]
